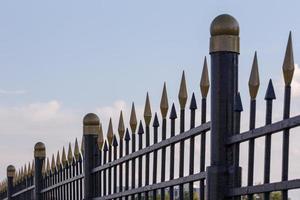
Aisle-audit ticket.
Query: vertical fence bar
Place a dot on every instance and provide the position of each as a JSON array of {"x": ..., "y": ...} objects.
[
  {"x": 121, "y": 130},
  {"x": 288, "y": 71},
  {"x": 204, "y": 87},
  {"x": 147, "y": 119},
  {"x": 10, "y": 178},
  {"x": 100, "y": 143},
  {"x": 270, "y": 96},
  {"x": 110, "y": 135},
  {"x": 115, "y": 145},
  {"x": 133, "y": 125},
  {"x": 164, "y": 106},
  {"x": 182, "y": 96},
  {"x": 173, "y": 117},
  {"x": 105, "y": 149},
  {"x": 193, "y": 107},
  {"x": 253, "y": 89},
  {"x": 224, "y": 51},
  {"x": 39, "y": 159},
  {"x": 127, "y": 139},
  {"x": 155, "y": 140},
  {"x": 90, "y": 132},
  {"x": 140, "y": 159}
]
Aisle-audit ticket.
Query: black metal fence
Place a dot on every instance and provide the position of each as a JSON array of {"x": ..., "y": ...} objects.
[{"x": 143, "y": 161}]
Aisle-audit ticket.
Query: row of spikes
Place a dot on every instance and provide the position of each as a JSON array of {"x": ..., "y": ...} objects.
[
  {"x": 61, "y": 161},
  {"x": 253, "y": 84},
  {"x": 3, "y": 186},
  {"x": 164, "y": 107},
  {"x": 23, "y": 173}
]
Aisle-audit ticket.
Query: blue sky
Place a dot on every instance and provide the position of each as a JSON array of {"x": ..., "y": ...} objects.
[{"x": 62, "y": 59}]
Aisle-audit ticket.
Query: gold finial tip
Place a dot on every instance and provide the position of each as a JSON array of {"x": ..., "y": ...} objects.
[
  {"x": 91, "y": 119},
  {"x": 224, "y": 25}
]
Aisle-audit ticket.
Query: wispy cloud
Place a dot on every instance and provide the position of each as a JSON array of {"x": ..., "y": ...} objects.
[{"x": 12, "y": 92}]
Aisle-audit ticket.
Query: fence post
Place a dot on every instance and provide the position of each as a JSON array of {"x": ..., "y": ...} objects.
[
  {"x": 224, "y": 51},
  {"x": 10, "y": 178},
  {"x": 90, "y": 134},
  {"x": 39, "y": 159}
]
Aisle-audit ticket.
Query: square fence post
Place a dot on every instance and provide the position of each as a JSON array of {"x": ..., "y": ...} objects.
[
  {"x": 224, "y": 51},
  {"x": 39, "y": 159},
  {"x": 90, "y": 134}
]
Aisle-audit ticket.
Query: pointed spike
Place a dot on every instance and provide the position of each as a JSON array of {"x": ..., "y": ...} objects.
[
  {"x": 25, "y": 171},
  {"x": 64, "y": 157},
  {"x": 82, "y": 145},
  {"x": 76, "y": 150},
  {"x": 141, "y": 129},
  {"x": 133, "y": 120},
  {"x": 29, "y": 169},
  {"x": 173, "y": 114},
  {"x": 127, "y": 135},
  {"x": 48, "y": 166},
  {"x": 204, "y": 83},
  {"x": 115, "y": 141},
  {"x": 193, "y": 105},
  {"x": 182, "y": 95},
  {"x": 53, "y": 167},
  {"x": 270, "y": 94},
  {"x": 254, "y": 78},
  {"x": 105, "y": 148},
  {"x": 110, "y": 132},
  {"x": 147, "y": 111},
  {"x": 288, "y": 66},
  {"x": 164, "y": 105},
  {"x": 155, "y": 121},
  {"x": 70, "y": 154},
  {"x": 238, "y": 106},
  {"x": 58, "y": 163},
  {"x": 121, "y": 127},
  {"x": 100, "y": 139},
  {"x": 32, "y": 167}
]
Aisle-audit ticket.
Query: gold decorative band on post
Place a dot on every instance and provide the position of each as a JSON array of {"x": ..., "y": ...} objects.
[
  {"x": 39, "y": 150},
  {"x": 91, "y": 124},
  {"x": 229, "y": 43},
  {"x": 11, "y": 171}
]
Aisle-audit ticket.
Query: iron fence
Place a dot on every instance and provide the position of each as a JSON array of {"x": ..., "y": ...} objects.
[{"x": 120, "y": 167}]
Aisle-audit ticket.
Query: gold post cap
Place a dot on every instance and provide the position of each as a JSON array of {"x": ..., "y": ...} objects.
[
  {"x": 39, "y": 150},
  {"x": 11, "y": 170},
  {"x": 224, "y": 31},
  {"x": 90, "y": 124}
]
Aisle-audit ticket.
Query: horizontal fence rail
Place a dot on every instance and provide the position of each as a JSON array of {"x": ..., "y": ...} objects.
[{"x": 164, "y": 155}]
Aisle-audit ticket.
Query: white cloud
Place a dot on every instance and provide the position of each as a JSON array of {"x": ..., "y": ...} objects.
[{"x": 12, "y": 92}]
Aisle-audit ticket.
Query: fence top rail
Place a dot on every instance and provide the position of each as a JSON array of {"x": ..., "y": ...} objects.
[
  {"x": 23, "y": 191},
  {"x": 192, "y": 132},
  {"x": 265, "y": 130}
]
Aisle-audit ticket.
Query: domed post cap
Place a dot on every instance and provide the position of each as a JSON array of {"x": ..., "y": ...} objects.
[
  {"x": 91, "y": 124},
  {"x": 39, "y": 150},
  {"x": 224, "y": 31},
  {"x": 11, "y": 170}
]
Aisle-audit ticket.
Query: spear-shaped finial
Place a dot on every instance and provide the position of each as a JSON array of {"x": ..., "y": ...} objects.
[
  {"x": 155, "y": 121},
  {"x": 164, "y": 105},
  {"x": 182, "y": 95},
  {"x": 29, "y": 169},
  {"x": 288, "y": 66},
  {"x": 100, "y": 139},
  {"x": 238, "y": 106},
  {"x": 121, "y": 127},
  {"x": 32, "y": 167},
  {"x": 115, "y": 141},
  {"x": 110, "y": 132},
  {"x": 147, "y": 111},
  {"x": 204, "y": 83},
  {"x": 141, "y": 129},
  {"x": 270, "y": 94},
  {"x": 173, "y": 114},
  {"x": 133, "y": 120},
  {"x": 76, "y": 150},
  {"x": 64, "y": 157},
  {"x": 25, "y": 171},
  {"x": 53, "y": 167},
  {"x": 193, "y": 105},
  {"x": 70, "y": 154},
  {"x": 127, "y": 135},
  {"x": 105, "y": 147},
  {"x": 48, "y": 166},
  {"x": 254, "y": 78},
  {"x": 58, "y": 163},
  {"x": 82, "y": 145}
]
